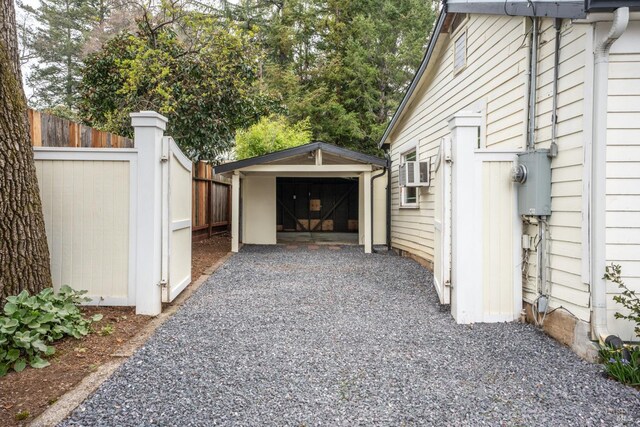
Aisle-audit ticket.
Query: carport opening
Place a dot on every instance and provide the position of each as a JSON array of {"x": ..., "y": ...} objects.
[{"x": 317, "y": 210}]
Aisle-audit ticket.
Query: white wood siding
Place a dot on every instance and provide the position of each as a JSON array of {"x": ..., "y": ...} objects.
[
  {"x": 494, "y": 80},
  {"x": 86, "y": 213},
  {"x": 623, "y": 170},
  {"x": 565, "y": 283},
  {"x": 495, "y": 77}
]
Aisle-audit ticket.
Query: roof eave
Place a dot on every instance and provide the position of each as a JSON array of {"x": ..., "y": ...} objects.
[
  {"x": 416, "y": 79},
  {"x": 295, "y": 151},
  {"x": 570, "y": 9},
  {"x": 567, "y": 9}
]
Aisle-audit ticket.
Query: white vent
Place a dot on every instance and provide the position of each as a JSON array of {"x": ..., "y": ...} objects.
[
  {"x": 414, "y": 174},
  {"x": 460, "y": 52}
]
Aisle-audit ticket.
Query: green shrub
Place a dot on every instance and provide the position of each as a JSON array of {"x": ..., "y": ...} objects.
[
  {"x": 31, "y": 323},
  {"x": 271, "y": 134},
  {"x": 622, "y": 364},
  {"x": 628, "y": 298}
]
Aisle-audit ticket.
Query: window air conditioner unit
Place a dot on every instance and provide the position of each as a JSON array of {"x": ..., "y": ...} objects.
[{"x": 414, "y": 174}]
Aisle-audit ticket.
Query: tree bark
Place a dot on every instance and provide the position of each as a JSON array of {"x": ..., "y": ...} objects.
[{"x": 24, "y": 254}]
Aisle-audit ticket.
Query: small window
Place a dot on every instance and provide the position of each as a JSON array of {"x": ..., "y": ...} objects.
[
  {"x": 460, "y": 52},
  {"x": 409, "y": 195}
]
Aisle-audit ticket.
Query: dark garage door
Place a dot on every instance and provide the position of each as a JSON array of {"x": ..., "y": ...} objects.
[{"x": 317, "y": 204}]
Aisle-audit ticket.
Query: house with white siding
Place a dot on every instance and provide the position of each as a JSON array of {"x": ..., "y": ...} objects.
[{"x": 515, "y": 159}]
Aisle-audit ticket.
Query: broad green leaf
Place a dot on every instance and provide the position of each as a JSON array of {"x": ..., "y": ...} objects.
[
  {"x": 43, "y": 330},
  {"x": 38, "y": 363},
  {"x": 39, "y": 345},
  {"x": 4, "y": 368},
  {"x": 46, "y": 318},
  {"x": 96, "y": 317},
  {"x": 10, "y": 308},
  {"x": 12, "y": 355},
  {"x": 19, "y": 365},
  {"x": 28, "y": 319},
  {"x": 22, "y": 296}
]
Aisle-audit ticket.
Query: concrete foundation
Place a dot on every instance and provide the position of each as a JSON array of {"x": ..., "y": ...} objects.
[
  {"x": 568, "y": 330},
  {"x": 428, "y": 264}
]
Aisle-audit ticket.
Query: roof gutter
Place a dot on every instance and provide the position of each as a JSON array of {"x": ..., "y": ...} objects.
[
  {"x": 416, "y": 78},
  {"x": 598, "y": 175}
]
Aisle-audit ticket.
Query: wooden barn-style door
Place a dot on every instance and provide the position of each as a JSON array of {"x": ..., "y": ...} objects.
[{"x": 317, "y": 204}]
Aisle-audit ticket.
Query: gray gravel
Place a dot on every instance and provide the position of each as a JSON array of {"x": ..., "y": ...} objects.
[{"x": 282, "y": 336}]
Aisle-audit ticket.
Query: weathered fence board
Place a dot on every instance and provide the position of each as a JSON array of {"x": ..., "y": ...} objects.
[
  {"x": 52, "y": 131},
  {"x": 211, "y": 202}
]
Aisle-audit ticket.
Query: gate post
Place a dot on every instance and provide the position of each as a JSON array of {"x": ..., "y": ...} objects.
[
  {"x": 466, "y": 237},
  {"x": 149, "y": 129},
  {"x": 235, "y": 212},
  {"x": 366, "y": 200}
]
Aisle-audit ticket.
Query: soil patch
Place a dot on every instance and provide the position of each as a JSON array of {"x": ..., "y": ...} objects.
[
  {"x": 206, "y": 252},
  {"x": 25, "y": 395}
]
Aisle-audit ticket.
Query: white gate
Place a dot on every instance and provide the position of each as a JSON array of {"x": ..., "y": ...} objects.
[
  {"x": 176, "y": 220},
  {"x": 486, "y": 281},
  {"x": 442, "y": 222},
  {"x": 501, "y": 230}
]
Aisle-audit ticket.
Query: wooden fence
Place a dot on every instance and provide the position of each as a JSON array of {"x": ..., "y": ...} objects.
[
  {"x": 51, "y": 131},
  {"x": 211, "y": 202}
]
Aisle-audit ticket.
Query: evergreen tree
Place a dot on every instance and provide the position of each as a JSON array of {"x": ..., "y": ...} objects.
[
  {"x": 57, "y": 46},
  {"x": 344, "y": 64}
]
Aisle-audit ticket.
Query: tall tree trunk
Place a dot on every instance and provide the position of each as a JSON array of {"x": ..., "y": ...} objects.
[{"x": 24, "y": 255}]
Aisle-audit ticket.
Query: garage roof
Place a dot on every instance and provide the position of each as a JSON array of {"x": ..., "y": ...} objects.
[{"x": 296, "y": 151}]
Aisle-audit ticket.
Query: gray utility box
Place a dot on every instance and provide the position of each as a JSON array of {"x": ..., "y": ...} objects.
[{"x": 533, "y": 175}]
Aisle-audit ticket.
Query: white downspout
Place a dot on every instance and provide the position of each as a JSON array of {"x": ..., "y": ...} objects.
[{"x": 598, "y": 175}]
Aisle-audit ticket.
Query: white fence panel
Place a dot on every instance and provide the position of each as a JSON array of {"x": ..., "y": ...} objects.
[
  {"x": 89, "y": 203},
  {"x": 118, "y": 221}
]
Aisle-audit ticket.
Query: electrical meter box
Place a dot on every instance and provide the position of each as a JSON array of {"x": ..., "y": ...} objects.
[{"x": 533, "y": 177}]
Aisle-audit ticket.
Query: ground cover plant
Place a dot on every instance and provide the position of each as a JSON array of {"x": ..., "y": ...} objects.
[
  {"x": 623, "y": 364},
  {"x": 31, "y": 323}
]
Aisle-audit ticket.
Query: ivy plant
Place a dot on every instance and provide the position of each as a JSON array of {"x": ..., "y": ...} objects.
[{"x": 31, "y": 323}]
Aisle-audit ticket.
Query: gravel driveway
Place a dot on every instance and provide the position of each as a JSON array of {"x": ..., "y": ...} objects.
[{"x": 330, "y": 336}]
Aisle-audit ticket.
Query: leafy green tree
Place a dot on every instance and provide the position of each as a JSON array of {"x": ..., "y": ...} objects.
[
  {"x": 344, "y": 64},
  {"x": 271, "y": 134},
  {"x": 194, "y": 68}
]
